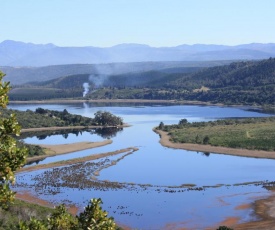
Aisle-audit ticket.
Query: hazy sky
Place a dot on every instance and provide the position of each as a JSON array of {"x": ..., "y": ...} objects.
[{"x": 157, "y": 23}]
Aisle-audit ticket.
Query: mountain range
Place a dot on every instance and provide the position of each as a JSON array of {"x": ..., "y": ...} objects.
[{"x": 16, "y": 54}]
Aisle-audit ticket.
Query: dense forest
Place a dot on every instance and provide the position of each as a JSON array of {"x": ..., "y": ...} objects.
[
  {"x": 246, "y": 82},
  {"x": 49, "y": 118}
]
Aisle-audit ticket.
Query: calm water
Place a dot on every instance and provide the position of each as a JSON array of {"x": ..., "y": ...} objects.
[{"x": 160, "y": 166}]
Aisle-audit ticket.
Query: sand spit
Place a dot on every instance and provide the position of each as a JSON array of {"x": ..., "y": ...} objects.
[{"x": 53, "y": 150}]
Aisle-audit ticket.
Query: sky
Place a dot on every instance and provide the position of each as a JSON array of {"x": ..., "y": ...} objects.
[{"x": 158, "y": 23}]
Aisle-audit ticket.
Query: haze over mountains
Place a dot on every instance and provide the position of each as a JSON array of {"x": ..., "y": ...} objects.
[{"x": 13, "y": 53}]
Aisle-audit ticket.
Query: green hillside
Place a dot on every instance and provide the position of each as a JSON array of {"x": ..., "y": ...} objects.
[{"x": 250, "y": 83}]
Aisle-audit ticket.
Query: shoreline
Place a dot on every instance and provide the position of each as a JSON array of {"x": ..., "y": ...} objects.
[
  {"x": 115, "y": 101},
  {"x": 263, "y": 208},
  {"x": 165, "y": 141},
  {"x": 161, "y": 101}
]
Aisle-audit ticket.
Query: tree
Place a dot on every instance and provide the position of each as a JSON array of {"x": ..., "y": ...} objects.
[
  {"x": 61, "y": 219},
  {"x": 183, "y": 121},
  {"x": 95, "y": 218},
  {"x": 206, "y": 140},
  {"x": 11, "y": 157},
  {"x": 161, "y": 125},
  {"x": 106, "y": 118}
]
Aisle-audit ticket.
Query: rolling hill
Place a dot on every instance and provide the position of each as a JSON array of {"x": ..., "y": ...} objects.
[{"x": 22, "y": 75}]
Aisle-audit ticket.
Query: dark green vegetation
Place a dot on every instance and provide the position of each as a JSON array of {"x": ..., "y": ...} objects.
[
  {"x": 25, "y": 216},
  {"x": 238, "y": 83},
  {"x": 248, "y": 82},
  {"x": 250, "y": 133},
  {"x": 49, "y": 118},
  {"x": 33, "y": 150},
  {"x": 11, "y": 157},
  {"x": 22, "y": 75},
  {"x": 93, "y": 217}
]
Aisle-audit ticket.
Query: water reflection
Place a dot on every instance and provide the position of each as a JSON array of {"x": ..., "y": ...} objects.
[
  {"x": 105, "y": 133},
  {"x": 207, "y": 154}
]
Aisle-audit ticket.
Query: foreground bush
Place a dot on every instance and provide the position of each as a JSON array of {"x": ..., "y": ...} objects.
[{"x": 92, "y": 218}]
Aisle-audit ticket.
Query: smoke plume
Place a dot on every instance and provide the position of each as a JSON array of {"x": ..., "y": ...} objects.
[
  {"x": 98, "y": 80},
  {"x": 86, "y": 87}
]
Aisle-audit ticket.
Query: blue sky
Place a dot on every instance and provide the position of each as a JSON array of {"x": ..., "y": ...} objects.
[{"x": 157, "y": 23}]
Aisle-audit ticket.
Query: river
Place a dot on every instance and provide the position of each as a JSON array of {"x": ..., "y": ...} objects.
[{"x": 154, "y": 197}]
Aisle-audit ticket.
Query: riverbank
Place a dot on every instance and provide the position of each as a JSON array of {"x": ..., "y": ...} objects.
[
  {"x": 53, "y": 150},
  {"x": 165, "y": 141},
  {"x": 58, "y": 101}
]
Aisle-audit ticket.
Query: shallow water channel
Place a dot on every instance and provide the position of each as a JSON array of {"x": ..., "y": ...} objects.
[{"x": 151, "y": 194}]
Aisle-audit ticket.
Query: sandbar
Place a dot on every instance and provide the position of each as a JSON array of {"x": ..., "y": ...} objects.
[
  {"x": 76, "y": 160},
  {"x": 165, "y": 141},
  {"x": 53, "y": 150}
]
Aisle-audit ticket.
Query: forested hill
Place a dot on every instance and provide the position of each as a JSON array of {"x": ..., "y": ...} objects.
[
  {"x": 237, "y": 75},
  {"x": 67, "y": 82},
  {"x": 250, "y": 82},
  {"x": 237, "y": 83}
]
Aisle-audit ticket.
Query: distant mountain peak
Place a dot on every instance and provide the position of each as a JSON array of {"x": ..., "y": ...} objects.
[
  {"x": 16, "y": 53},
  {"x": 131, "y": 45}
]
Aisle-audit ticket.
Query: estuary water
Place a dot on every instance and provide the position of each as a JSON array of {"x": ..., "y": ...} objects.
[{"x": 155, "y": 197}]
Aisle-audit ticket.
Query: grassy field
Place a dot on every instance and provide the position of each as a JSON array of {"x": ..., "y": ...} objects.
[{"x": 256, "y": 134}]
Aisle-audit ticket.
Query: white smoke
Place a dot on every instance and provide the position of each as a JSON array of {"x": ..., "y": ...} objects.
[
  {"x": 98, "y": 80},
  {"x": 86, "y": 87}
]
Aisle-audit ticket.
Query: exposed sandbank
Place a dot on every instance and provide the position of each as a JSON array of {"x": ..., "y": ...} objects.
[
  {"x": 53, "y": 150},
  {"x": 165, "y": 141},
  {"x": 264, "y": 209}
]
